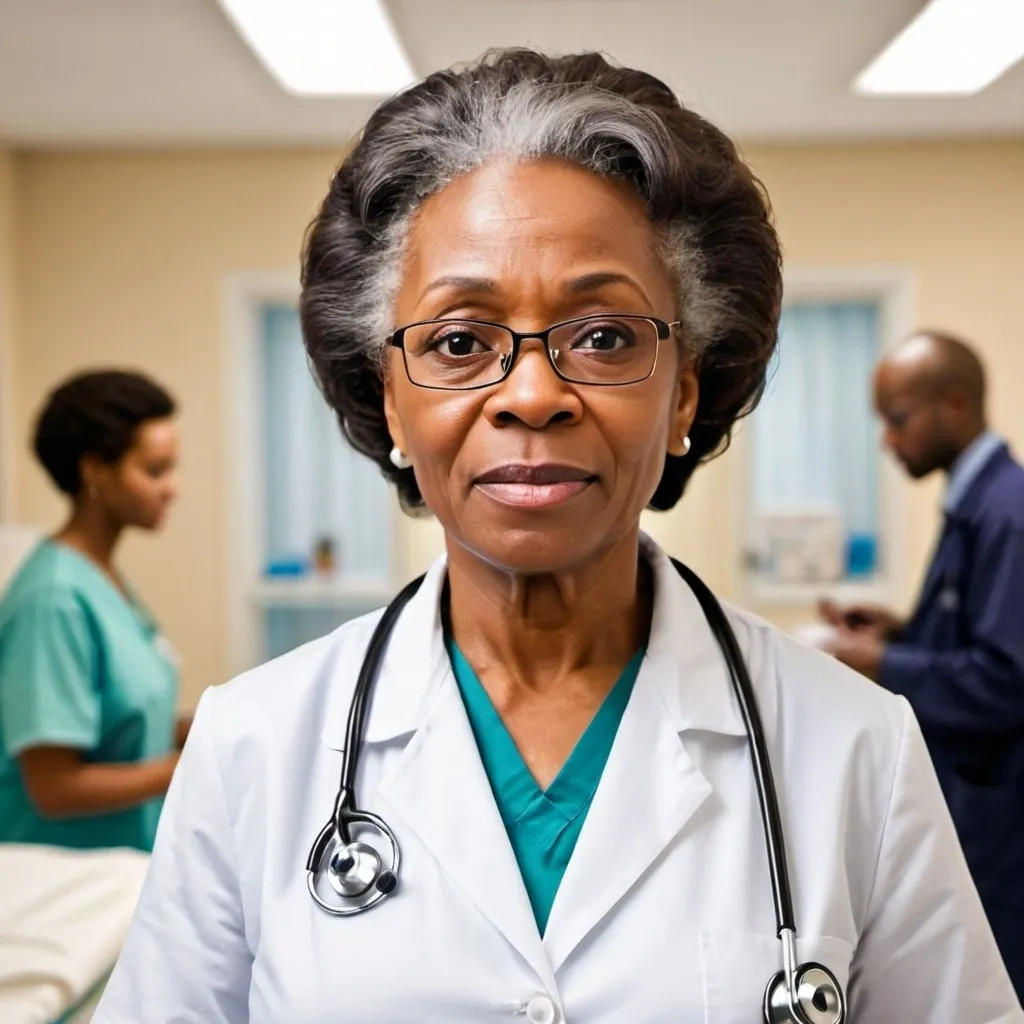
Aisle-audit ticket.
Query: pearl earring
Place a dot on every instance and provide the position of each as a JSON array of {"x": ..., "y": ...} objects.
[
  {"x": 686, "y": 444},
  {"x": 399, "y": 459}
]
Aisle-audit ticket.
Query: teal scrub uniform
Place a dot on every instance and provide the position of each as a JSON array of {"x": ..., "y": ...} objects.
[
  {"x": 81, "y": 666},
  {"x": 542, "y": 825}
]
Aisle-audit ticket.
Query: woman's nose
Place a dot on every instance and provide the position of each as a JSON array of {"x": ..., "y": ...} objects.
[{"x": 533, "y": 394}]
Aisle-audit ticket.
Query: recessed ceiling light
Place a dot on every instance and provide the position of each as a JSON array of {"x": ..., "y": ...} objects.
[
  {"x": 951, "y": 47},
  {"x": 324, "y": 47}
]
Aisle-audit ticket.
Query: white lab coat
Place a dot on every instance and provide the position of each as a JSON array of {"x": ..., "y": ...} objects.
[{"x": 665, "y": 911}]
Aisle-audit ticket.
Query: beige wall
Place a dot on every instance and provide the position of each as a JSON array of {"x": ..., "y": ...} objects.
[
  {"x": 121, "y": 259},
  {"x": 7, "y": 301}
]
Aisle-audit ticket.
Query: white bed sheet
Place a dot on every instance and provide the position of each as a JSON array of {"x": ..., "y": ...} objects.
[
  {"x": 82, "y": 1014},
  {"x": 63, "y": 917}
]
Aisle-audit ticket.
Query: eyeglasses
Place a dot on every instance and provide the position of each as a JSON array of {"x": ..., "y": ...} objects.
[
  {"x": 899, "y": 419},
  {"x": 610, "y": 349}
]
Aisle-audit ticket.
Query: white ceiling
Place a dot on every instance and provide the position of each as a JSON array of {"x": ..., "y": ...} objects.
[{"x": 174, "y": 72}]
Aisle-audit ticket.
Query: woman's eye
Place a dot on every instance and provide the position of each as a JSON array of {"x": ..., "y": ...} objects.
[
  {"x": 458, "y": 343},
  {"x": 604, "y": 338}
]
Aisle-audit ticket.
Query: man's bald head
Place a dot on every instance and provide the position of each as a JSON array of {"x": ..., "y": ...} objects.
[
  {"x": 930, "y": 393},
  {"x": 934, "y": 361}
]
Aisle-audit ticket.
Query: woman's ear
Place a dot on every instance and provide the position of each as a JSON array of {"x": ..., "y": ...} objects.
[
  {"x": 685, "y": 411},
  {"x": 390, "y": 411},
  {"x": 90, "y": 470}
]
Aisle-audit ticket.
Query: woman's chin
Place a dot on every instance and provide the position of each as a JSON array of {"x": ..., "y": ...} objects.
[
  {"x": 153, "y": 524},
  {"x": 536, "y": 552}
]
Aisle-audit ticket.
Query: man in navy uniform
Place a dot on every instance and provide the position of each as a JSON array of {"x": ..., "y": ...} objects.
[{"x": 959, "y": 659}]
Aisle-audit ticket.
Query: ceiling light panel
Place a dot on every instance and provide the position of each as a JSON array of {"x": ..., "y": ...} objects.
[
  {"x": 324, "y": 47},
  {"x": 953, "y": 47}
]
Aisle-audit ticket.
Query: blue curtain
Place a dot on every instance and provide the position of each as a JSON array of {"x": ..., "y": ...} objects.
[
  {"x": 316, "y": 485},
  {"x": 286, "y": 627},
  {"x": 814, "y": 436}
]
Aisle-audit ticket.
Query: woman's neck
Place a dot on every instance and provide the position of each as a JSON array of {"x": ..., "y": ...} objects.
[
  {"x": 540, "y": 629},
  {"x": 92, "y": 534}
]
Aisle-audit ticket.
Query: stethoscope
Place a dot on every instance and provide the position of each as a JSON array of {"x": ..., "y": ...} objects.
[{"x": 360, "y": 875}]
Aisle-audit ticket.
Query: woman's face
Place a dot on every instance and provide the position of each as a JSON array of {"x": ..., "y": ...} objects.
[
  {"x": 528, "y": 246},
  {"x": 140, "y": 487}
]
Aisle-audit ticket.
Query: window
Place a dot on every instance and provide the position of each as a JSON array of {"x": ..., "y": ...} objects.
[
  {"x": 317, "y": 489},
  {"x": 327, "y": 551},
  {"x": 310, "y": 537},
  {"x": 820, "y": 513}
]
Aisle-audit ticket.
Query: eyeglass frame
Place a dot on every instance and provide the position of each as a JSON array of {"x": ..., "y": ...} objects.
[
  {"x": 664, "y": 328},
  {"x": 901, "y": 419}
]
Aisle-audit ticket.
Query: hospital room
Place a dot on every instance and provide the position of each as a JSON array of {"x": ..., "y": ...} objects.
[{"x": 314, "y": 308}]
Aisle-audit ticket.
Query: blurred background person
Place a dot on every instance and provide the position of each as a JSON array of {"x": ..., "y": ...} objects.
[
  {"x": 959, "y": 659},
  {"x": 88, "y": 684}
]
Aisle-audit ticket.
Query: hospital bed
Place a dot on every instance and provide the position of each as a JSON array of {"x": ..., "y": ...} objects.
[
  {"x": 63, "y": 913},
  {"x": 63, "y": 917}
]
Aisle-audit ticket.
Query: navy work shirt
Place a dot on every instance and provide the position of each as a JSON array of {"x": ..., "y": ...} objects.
[{"x": 960, "y": 663}]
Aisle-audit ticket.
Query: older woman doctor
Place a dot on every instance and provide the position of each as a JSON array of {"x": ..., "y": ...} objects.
[{"x": 539, "y": 292}]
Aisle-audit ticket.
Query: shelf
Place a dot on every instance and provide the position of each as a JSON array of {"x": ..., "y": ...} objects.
[
  {"x": 321, "y": 592},
  {"x": 869, "y": 591}
]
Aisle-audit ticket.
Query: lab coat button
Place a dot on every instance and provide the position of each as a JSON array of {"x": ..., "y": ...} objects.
[{"x": 541, "y": 1010}]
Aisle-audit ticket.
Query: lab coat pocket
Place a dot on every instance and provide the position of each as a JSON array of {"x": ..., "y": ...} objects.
[{"x": 738, "y": 966}]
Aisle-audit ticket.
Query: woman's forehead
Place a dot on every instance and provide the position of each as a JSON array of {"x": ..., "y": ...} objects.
[
  {"x": 155, "y": 437},
  {"x": 511, "y": 220}
]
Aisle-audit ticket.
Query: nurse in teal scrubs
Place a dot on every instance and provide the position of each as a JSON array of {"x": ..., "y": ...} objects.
[{"x": 88, "y": 684}]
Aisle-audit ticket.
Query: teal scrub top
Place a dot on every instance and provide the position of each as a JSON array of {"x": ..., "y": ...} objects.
[
  {"x": 81, "y": 666},
  {"x": 542, "y": 825}
]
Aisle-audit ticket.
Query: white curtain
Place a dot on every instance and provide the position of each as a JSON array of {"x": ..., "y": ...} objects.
[
  {"x": 317, "y": 486},
  {"x": 815, "y": 441}
]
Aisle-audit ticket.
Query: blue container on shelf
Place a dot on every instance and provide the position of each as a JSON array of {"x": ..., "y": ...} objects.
[
  {"x": 861, "y": 555},
  {"x": 286, "y": 568}
]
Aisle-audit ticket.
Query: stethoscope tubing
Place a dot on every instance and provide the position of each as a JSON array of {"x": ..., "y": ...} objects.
[
  {"x": 345, "y": 813},
  {"x": 743, "y": 687}
]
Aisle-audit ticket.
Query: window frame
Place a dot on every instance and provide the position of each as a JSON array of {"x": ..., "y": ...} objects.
[
  {"x": 9, "y": 434},
  {"x": 892, "y": 288},
  {"x": 247, "y": 591}
]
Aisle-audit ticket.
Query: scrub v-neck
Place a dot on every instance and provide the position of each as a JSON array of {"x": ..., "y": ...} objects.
[{"x": 543, "y": 825}]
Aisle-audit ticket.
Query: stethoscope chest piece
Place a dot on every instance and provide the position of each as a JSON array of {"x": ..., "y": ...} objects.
[
  {"x": 817, "y": 998},
  {"x": 357, "y": 874},
  {"x": 353, "y": 870}
]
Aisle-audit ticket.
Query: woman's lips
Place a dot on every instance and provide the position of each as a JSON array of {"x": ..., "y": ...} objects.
[
  {"x": 534, "y": 495},
  {"x": 534, "y": 486}
]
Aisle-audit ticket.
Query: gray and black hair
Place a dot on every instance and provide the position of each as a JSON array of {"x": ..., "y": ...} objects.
[{"x": 710, "y": 214}]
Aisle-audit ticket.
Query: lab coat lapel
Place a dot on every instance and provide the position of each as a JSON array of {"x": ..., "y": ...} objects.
[
  {"x": 441, "y": 789},
  {"x": 438, "y": 785},
  {"x": 651, "y": 787},
  {"x": 649, "y": 790}
]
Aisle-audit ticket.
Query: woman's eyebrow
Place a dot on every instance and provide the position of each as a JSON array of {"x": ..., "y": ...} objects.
[
  {"x": 455, "y": 282},
  {"x": 598, "y": 279},
  {"x": 576, "y": 286}
]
